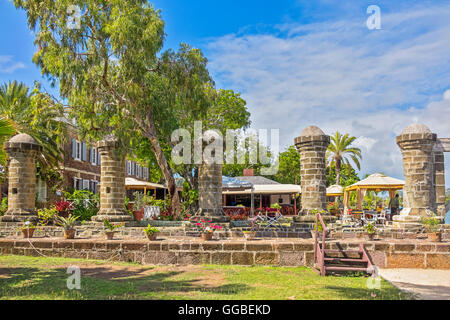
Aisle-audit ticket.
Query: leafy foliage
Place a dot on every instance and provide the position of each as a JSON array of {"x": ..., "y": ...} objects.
[
  {"x": 149, "y": 230},
  {"x": 111, "y": 226},
  {"x": 85, "y": 204},
  {"x": 370, "y": 228},
  {"x": 431, "y": 223},
  {"x": 3, "y": 206},
  {"x": 47, "y": 215},
  {"x": 67, "y": 223},
  {"x": 289, "y": 167},
  {"x": 35, "y": 113}
]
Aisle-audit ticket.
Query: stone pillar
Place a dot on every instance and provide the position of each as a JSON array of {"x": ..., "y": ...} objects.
[
  {"x": 312, "y": 145},
  {"x": 439, "y": 182},
  {"x": 210, "y": 192},
  {"x": 416, "y": 143},
  {"x": 23, "y": 151},
  {"x": 112, "y": 183}
]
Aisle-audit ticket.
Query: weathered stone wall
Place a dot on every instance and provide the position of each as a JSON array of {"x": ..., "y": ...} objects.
[
  {"x": 210, "y": 192},
  {"x": 439, "y": 182},
  {"x": 23, "y": 151},
  {"x": 112, "y": 183},
  {"x": 416, "y": 143},
  {"x": 312, "y": 145},
  {"x": 392, "y": 254}
]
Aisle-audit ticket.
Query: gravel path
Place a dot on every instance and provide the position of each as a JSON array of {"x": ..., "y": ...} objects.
[{"x": 426, "y": 284}]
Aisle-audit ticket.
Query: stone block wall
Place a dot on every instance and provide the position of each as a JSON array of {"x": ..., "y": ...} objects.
[{"x": 392, "y": 254}]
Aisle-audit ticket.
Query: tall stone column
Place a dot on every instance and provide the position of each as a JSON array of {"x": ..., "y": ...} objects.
[
  {"x": 312, "y": 145},
  {"x": 416, "y": 143},
  {"x": 112, "y": 183},
  {"x": 23, "y": 151},
  {"x": 210, "y": 192},
  {"x": 439, "y": 182}
]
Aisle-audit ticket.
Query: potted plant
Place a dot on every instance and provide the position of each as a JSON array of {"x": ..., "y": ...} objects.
[
  {"x": 333, "y": 208},
  {"x": 69, "y": 226},
  {"x": 28, "y": 229},
  {"x": 206, "y": 227},
  {"x": 370, "y": 231},
  {"x": 276, "y": 206},
  {"x": 432, "y": 228},
  {"x": 111, "y": 229},
  {"x": 151, "y": 232}
]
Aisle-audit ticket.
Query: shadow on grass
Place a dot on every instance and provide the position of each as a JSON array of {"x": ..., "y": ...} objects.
[
  {"x": 104, "y": 283},
  {"x": 369, "y": 294}
]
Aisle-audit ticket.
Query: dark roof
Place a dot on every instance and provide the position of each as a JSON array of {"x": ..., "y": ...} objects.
[
  {"x": 234, "y": 183},
  {"x": 257, "y": 180}
]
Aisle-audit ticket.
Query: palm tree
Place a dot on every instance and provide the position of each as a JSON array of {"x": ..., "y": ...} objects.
[
  {"x": 6, "y": 130},
  {"x": 34, "y": 113},
  {"x": 340, "y": 152}
]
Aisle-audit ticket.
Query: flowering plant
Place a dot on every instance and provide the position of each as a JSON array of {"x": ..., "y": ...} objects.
[
  {"x": 332, "y": 206},
  {"x": 63, "y": 207},
  {"x": 203, "y": 225}
]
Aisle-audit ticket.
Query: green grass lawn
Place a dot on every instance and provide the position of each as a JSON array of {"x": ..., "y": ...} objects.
[{"x": 45, "y": 278}]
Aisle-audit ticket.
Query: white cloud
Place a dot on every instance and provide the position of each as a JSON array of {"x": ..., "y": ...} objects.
[
  {"x": 341, "y": 76},
  {"x": 364, "y": 142},
  {"x": 7, "y": 65}
]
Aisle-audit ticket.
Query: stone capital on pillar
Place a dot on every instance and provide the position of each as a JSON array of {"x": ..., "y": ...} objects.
[
  {"x": 23, "y": 151},
  {"x": 416, "y": 143},
  {"x": 312, "y": 145},
  {"x": 112, "y": 183}
]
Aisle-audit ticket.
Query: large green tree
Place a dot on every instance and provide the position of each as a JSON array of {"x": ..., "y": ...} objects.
[
  {"x": 340, "y": 152},
  {"x": 289, "y": 167},
  {"x": 108, "y": 67}
]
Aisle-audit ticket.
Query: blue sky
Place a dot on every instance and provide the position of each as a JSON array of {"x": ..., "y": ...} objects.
[{"x": 299, "y": 63}]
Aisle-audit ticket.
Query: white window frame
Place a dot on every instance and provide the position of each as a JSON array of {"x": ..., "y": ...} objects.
[
  {"x": 86, "y": 184},
  {"x": 94, "y": 156},
  {"x": 78, "y": 147},
  {"x": 75, "y": 182},
  {"x": 95, "y": 186}
]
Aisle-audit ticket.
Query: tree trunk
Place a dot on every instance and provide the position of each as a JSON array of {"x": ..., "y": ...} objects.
[
  {"x": 150, "y": 133},
  {"x": 338, "y": 176},
  {"x": 338, "y": 172}
]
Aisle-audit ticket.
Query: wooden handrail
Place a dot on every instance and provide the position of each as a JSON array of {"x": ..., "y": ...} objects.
[{"x": 319, "y": 253}]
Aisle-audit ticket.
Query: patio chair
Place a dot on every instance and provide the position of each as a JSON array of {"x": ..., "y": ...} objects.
[
  {"x": 381, "y": 219},
  {"x": 366, "y": 220}
]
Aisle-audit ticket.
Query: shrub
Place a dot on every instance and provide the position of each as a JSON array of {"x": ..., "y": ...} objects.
[
  {"x": 85, "y": 204},
  {"x": 3, "y": 206},
  {"x": 64, "y": 208},
  {"x": 431, "y": 224},
  {"x": 47, "y": 215}
]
